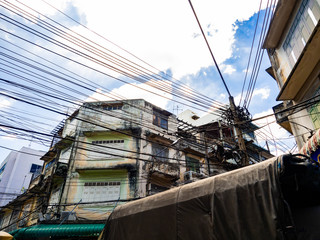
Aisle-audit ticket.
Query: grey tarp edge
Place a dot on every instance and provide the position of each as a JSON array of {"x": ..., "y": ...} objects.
[{"x": 241, "y": 204}]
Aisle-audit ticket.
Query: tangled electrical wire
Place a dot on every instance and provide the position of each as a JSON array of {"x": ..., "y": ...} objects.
[{"x": 242, "y": 113}]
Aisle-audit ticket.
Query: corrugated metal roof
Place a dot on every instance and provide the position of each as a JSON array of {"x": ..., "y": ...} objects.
[{"x": 66, "y": 230}]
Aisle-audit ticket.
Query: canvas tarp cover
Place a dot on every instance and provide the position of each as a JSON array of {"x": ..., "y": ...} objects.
[{"x": 242, "y": 204}]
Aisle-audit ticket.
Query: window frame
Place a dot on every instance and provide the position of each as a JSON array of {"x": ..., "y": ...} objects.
[
  {"x": 193, "y": 164},
  {"x": 160, "y": 120},
  {"x": 38, "y": 168},
  {"x": 92, "y": 191},
  {"x": 113, "y": 107},
  {"x": 2, "y": 168},
  {"x": 162, "y": 150}
]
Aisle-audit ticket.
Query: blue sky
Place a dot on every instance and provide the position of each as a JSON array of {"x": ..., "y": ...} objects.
[{"x": 165, "y": 35}]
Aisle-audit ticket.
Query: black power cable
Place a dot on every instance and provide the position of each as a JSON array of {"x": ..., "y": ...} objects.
[{"x": 205, "y": 38}]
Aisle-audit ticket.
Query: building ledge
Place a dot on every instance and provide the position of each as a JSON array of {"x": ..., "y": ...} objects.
[
  {"x": 118, "y": 166},
  {"x": 63, "y": 143}
]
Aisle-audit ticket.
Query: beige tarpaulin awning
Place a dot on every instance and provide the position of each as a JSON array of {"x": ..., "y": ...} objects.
[{"x": 5, "y": 236}]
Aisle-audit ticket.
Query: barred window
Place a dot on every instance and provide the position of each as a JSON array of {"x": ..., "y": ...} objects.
[
  {"x": 101, "y": 191},
  {"x": 108, "y": 141},
  {"x": 111, "y": 107}
]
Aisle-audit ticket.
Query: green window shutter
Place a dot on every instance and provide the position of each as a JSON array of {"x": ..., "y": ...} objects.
[{"x": 192, "y": 164}]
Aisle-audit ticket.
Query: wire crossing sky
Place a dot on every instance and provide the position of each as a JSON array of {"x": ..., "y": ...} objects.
[{"x": 55, "y": 55}]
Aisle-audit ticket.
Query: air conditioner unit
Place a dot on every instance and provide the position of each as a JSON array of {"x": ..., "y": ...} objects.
[
  {"x": 45, "y": 217},
  {"x": 68, "y": 216},
  {"x": 62, "y": 169},
  {"x": 190, "y": 175}
]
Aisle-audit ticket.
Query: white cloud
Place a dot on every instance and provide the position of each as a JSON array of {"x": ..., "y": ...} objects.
[
  {"x": 223, "y": 96},
  {"x": 264, "y": 93},
  {"x": 228, "y": 69},
  {"x": 4, "y": 102},
  {"x": 163, "y": 32},
  {"x": 259, "y": 93},
  {"x": 136, "y": 91}
]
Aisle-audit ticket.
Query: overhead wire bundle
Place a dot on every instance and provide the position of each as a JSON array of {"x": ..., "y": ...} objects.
[
  {"x": 259, "y": 53},
  {"x": 60, "y": 87},
  {"x": 101, "y": 57},
  {"x": 46, "y": 99},
  {"x": 34, "y": 80}
]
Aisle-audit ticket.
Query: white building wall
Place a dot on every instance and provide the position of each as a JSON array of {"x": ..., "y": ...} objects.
[{"x": 16, "y": 175}]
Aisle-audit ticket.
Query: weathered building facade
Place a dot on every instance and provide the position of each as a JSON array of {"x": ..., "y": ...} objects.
[
  {"x": 106, "y": 154},
  {"x": 112, "y": 156},
  {"x": 292, "y": 43},
  {"x": 219, "y": 143}
]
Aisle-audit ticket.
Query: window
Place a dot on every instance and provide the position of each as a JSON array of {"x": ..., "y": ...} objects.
[
  {"x": 2, "y": 168},
  {"x": 304, "y": 23},
  {"x": 160, "y": 152},
  {"x": 47, "y": 166},
  {"x": 108, "y": 141},
  {"x": 110, "y": 107},
  {"x": 314, "y": 109},
  {"x": 99, "y": 150},
  {"x": 160, "y": 120},
  {"x": 192, "y": 164},
  {"x": 101, "y": 191},
  {"x": 35, "y": 168}
]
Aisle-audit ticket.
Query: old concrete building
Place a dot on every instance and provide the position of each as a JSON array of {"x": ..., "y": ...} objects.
[
  {"x": 219, "y": 143},
  {"x": 103, "y": 155},
  {"x": 120, "y": 150},
  {"x": 106, "y": 154},
  {"x": 292, "y": 43}
]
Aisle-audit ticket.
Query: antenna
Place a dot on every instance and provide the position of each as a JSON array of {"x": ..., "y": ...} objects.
[{"x": 30, "y": 141}]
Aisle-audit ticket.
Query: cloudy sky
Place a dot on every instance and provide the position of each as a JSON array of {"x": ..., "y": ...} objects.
[{"x": 161, "y": 37}]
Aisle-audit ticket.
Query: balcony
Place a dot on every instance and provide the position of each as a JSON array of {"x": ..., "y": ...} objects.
[
  {"x": 192, "y": 146},
  {"x": 164, "y": 171},
  {"x": 60, "y": 143}
]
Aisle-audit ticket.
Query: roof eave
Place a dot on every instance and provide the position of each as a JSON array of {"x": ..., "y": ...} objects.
[{"x": 279, "y": 22}]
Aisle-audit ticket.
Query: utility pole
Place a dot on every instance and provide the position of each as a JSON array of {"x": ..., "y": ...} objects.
[
  {"x": 238, "y": 131},
  {"x": 235, "y": 117}
]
